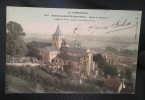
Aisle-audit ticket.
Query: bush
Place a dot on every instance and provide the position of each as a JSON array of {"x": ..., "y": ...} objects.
[{"x": 35, "y": 75}]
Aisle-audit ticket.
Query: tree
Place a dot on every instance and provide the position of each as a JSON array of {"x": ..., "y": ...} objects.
[
  {"x": 128, "y": 52},
  {"x": 100, "y": 60},
  {"x": 68, "y": 70},
  {"x": 63, "y": 45},
  {"x": 67, "y": 67},
  {"x": 63, "y": 42},
  {"x": 128, "y": 74},
  {"x": 15, "y": 44},
  {"x": 110, "y": 70},
  {"x": 111, "y": 49},
  {"x": 32, "y": 50},
  {"x": 122, "y": 74}
]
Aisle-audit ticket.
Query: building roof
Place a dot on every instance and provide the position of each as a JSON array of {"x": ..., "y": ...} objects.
[
  {"x": 76, "y": 50},
  {"x": 42, "y": 44},
  {"x": 58, "y": 32},
  {"x": 68, "y": 57},
  {"x": 51, "y": 48},
  {"x": 112, "y": 83}
]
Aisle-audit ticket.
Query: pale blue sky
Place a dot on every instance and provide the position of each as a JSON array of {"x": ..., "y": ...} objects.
[{"x": 34, "y": 21}]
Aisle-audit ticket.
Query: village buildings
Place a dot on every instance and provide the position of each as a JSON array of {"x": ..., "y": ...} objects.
[
  {"x": 80, "y": 59},
  {"x": 59, "y": 54},
  {"x": 114, "y": 84}
]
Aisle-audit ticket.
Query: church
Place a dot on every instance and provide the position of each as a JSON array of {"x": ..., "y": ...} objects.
[{"x": 80, "y": 58}]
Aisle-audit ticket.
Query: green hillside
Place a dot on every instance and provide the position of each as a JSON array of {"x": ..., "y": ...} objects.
[{"x": 42, "y": 80}]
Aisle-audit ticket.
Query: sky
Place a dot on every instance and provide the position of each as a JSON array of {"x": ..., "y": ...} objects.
[{"x": 40, "y": 21}]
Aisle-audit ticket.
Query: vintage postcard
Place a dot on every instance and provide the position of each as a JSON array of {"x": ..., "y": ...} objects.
[{"x": 53, "y": 50}]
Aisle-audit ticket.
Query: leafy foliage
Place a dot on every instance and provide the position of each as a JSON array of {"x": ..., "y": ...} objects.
[
  {"x": 124, "y": 52},
  {"x": 127, "y": 52},
  {"x": 128, "y": 74},
  {"x": 43, "y": 81},
  {"x": 32, "y": 50},
  {"x": 95, "y": 82},
  {"x": 63, "y": 45},
  {"x": 68, "y": 70},
  {"x": 110, "y": 70},
  {"x": 63, "y": 42},
  {"x": 15, "y": 44},
  {"x": 122, "y": 74},
  {"x": 111, "y": 49},
  {"x": 100, "y": 60}
]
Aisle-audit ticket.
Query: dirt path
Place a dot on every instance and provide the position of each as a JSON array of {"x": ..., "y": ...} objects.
[{"x": 23, "y": 64}]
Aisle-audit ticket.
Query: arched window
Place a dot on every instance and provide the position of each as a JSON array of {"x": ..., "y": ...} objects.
[
  {"x": 60, "y": 61},
  {"x": 54, "y": 38},
  {"x": 56, "y": 60}
]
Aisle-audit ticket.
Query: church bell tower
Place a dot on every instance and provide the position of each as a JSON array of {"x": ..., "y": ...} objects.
[{"x": 57, "y": 38}]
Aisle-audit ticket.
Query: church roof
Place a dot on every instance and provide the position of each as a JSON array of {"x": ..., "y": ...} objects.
[
  {"x": 112, "y": 83},
  {"x": 42, "y": 44},
  {"x": 51, "y": 48},
  {"x": 58, "y": 32},
  {"x": 76, "y": 50},
  {"x": 68, "y": 57}
]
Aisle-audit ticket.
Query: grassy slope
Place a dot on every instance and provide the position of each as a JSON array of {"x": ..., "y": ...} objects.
[
  {"x": 18, "y": 85},
  {"x": 19, "y": 80}
]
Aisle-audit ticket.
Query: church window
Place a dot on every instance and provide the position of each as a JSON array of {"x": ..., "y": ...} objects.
[{"x": 60, "y": 61}]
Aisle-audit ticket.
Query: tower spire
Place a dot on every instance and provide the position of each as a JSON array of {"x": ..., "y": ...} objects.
[
  {"x": 58, "y": 32},
  {"x": 57, "y": 38}
]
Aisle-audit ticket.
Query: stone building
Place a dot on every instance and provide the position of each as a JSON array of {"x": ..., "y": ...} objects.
[
  {"x": 49, "y": 53},
  {"x": 80, "y": 59},
  {"x": 57, "y": 38}
]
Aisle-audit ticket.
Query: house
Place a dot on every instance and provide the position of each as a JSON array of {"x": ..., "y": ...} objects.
[
  {"x": 81, "y": 59},
  {"x": 114, "y": 84},
  {"x": 41, "y": 46},
  {"x": 49, "y": 53}
]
